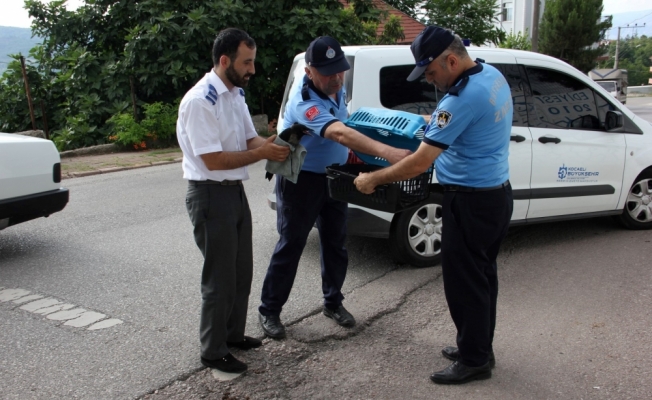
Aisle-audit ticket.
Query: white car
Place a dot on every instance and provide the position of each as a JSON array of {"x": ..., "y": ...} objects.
[
  {"x": 30, "y": 179},
  {"x": 575, "y": 152}
]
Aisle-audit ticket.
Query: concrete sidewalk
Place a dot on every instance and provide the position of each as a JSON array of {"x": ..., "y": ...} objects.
[{"x": 94, "y": 164}]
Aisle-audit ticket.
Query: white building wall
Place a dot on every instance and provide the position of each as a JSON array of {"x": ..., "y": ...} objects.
[{"x": 522, "y": 16}]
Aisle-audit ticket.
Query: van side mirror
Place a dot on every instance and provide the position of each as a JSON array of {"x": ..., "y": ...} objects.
[{"x": 613, "y": 121}]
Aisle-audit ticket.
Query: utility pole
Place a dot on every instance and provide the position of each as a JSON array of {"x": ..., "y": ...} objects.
[
  {"x": 535, "y": 26},
  {"x": 618, "y": 41},
  {"x": 617, "y": 44},
  {"x": 28, "y": 92}
]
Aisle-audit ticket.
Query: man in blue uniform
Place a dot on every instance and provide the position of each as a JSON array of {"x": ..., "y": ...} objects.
[
  {"x": 468, "y": 138},
  {"x": 320, "y": 104}
]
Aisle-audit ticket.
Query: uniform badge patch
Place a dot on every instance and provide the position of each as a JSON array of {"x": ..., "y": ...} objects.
[
  {"x": 443, "y": 119},
  {"x": 312, "y": 113}
]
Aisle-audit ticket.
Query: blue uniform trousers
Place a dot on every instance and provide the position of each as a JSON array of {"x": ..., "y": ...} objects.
[
  {"x": 475, "y": 224},
  {"x": 298, "y": 207}
]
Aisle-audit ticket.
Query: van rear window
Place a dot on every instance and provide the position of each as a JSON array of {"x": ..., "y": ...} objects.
[{"x": 397, "y": 93}]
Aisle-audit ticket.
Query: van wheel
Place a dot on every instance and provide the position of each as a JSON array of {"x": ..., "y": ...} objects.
[
  {"x": 637, "y": 213},
  {"x": 415, "y": 236}
]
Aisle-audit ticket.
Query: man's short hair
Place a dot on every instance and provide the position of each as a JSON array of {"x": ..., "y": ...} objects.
[
  {"x": 227, "y": 42},
  {"x": 456, "y": 47}
]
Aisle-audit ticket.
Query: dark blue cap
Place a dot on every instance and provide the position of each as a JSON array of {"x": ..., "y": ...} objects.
[
  {"x": 325, "y": 54},
  {"x": 430, "y": 43}
]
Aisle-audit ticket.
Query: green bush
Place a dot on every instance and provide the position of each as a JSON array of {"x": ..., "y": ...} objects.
[
  {"x": 77, "y": 133},
  {"x": 156, "y": 130},
  {"x": 517, "y": 41}
]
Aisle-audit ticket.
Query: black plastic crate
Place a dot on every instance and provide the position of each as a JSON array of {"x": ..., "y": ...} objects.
[{"x": 392, "y": 197}]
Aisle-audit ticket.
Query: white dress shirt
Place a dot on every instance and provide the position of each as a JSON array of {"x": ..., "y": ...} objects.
[{"x": 213, "y": 119}]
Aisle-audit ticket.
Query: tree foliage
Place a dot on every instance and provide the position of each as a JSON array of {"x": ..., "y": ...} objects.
[
  {"x": 409, "y": 7},
  {"x": 570, "y": 30},
  {"x": 633, "y": 55},
  {"x": 96, "y": 59},
  {"x": 471, "y": 19},
  {"x": 518, "y": 41}
]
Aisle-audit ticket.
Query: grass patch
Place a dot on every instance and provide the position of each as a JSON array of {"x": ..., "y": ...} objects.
[
  {"x": 76, "y": 168},
  {"x": 163, "y": 151}
]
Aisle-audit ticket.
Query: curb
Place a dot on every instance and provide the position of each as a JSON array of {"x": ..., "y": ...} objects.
[
  {"x": 69, "y": 175},
  {"x": 93, "y": 150}
]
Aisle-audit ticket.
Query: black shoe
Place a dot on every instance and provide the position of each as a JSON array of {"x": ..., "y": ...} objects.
[
  {"x": 458, "y": 373},
  {"x": 272, "y": 326},
  {"x": 341, "y": 316},
  {"x": 453, "y": 354},
  {"x": 228, "y": 363},
  {"x": 246, "y": 344}
]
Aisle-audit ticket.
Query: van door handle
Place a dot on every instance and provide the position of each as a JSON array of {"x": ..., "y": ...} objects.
[
  {"x": 546, "y": 139},
  {"x": 517, "y": 138}
]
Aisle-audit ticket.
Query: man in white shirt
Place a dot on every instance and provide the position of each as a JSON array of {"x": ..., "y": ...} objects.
[{"x": 218, "y": 140}]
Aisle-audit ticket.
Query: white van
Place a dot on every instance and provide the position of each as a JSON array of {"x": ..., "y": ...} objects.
[{"x": 575, "y": 152}]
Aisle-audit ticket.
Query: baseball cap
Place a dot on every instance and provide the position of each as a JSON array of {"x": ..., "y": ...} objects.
[
  {"x": 430, "y": 43},
  {"x": 325, "y": 54}
]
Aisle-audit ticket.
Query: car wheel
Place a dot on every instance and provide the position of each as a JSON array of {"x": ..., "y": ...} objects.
[
  {"x": 415, "y": 236},
  {"x": 637, "y": 213}
]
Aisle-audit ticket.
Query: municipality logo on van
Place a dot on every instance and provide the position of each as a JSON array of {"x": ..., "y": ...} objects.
[
  {"x": 563, "y": 172},
  {"x": 576, "y": 174}
]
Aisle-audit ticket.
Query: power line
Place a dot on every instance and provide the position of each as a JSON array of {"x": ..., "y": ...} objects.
[{"x": 640, "y": 18}]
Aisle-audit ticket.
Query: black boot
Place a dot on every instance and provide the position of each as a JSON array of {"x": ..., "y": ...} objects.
[
  {"x": 458, "y": 373},
  {"x": 272, "y": 326},
  {"x": 453, "y": 354}
]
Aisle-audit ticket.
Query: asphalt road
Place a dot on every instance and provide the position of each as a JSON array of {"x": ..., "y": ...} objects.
[
  {"x": 572, "y": 293},
  {"x": 641, "y": 106},
  {"x": 573, "y": 322},
  {"x": 123, "y": 247}
]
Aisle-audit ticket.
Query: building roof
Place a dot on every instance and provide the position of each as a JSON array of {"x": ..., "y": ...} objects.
[{"x": 411, "y": 27}]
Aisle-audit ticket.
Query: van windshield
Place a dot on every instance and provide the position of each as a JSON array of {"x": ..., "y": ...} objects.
[{"x": 609, "y": 86}]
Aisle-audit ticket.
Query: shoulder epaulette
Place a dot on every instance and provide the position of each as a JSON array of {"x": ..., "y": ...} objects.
[
  {"x": 455, "y": 90},
  {"x": 305, "y": 95},
  {"x": 212, "y": 94}
]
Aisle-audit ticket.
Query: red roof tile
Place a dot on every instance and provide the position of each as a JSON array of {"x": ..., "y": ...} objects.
[{"x": 411, "y": 27}]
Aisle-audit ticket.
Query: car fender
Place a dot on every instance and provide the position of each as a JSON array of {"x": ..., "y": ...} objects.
[{"x": 638, "y": 157}]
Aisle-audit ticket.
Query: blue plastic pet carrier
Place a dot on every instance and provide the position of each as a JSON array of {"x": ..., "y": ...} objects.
[{"x": 395, "y": 128}]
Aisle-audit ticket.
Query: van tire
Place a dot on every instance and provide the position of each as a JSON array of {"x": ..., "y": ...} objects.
[
  {"x": 415, "y": 235},
  {"x": 637, "y": 213}
]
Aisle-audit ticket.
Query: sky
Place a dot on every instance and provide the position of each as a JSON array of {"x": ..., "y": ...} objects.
[{"x": 12, "y": 12}]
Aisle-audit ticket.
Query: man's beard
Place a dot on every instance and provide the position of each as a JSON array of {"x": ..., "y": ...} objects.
[{"x": 236, "y": 80}]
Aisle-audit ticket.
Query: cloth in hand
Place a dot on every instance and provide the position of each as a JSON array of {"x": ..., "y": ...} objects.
[{"x": 291, "y": 166}]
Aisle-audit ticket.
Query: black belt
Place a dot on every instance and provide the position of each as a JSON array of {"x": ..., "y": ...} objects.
[
  {"x": 456, "y": 188},
  {"x": 223, "y": 183}
]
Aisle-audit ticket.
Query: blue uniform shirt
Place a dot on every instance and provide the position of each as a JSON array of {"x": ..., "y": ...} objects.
[
  {"x": 312, "y": 108},
  {"x": 472, "y": 123}
]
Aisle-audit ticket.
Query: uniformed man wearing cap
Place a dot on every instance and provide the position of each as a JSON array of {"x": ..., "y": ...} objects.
[
  {"x": 218, "y": 141},
  {"x": 468, "y": 139},
  {"x": 319, "y": 103}
]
